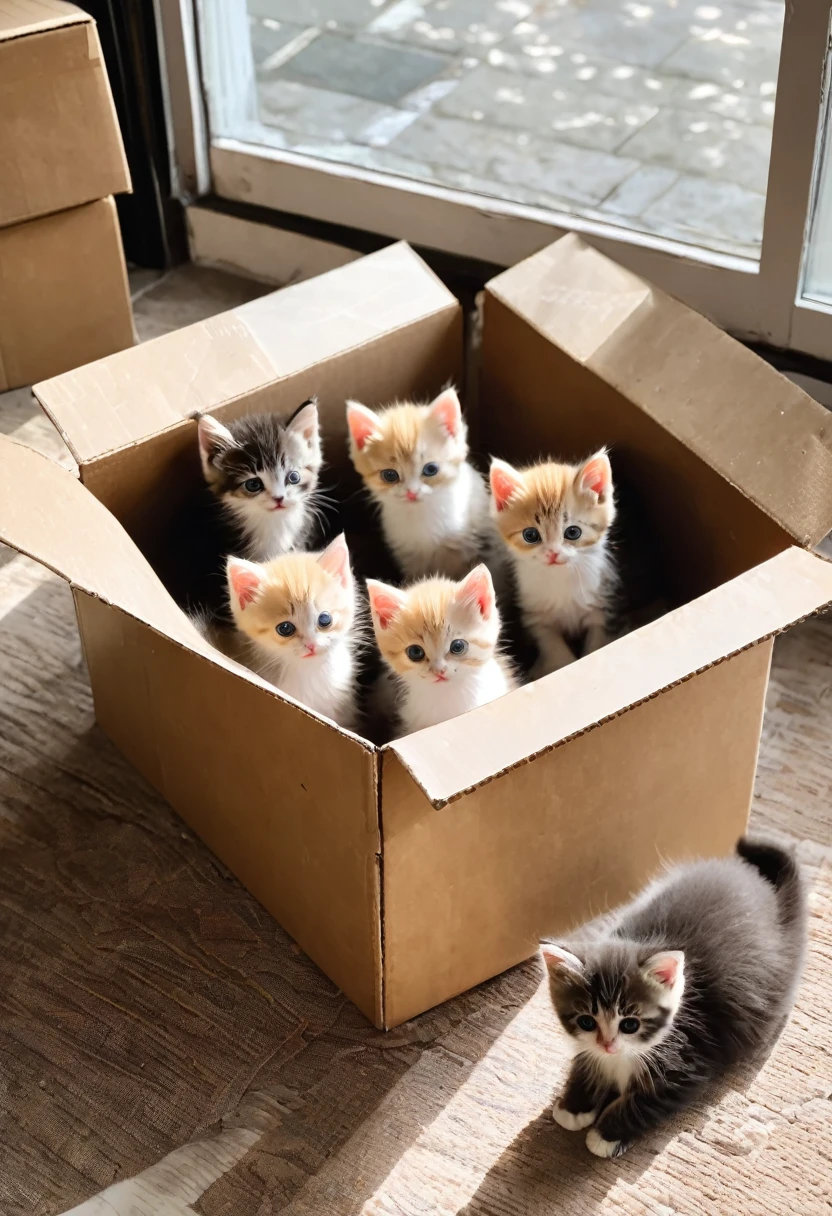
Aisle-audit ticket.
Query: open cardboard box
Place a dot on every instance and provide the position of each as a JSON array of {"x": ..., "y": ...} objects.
[{"x": 416, "y": 870}]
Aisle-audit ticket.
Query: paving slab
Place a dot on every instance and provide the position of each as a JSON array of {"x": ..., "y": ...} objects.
[
  {"x": 706, "y": 144},
  {"x": 319, "y": 114},
  {"x": 360, "y": 68},
  {"x": 641, "y": 34},
  {"x": 331, "y": 14},
  {"x": 268, "y": 36},
  {"x": 704, "y": 209},
  {"x": 451, "y": 25}
]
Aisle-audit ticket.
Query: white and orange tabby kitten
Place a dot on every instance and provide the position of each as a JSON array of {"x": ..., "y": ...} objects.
[
  {"x": 298, "y": 613},
  {"x": 439, "y": 640},
  {"x": 434, "y": 505},
  {"x": 555, "y": 521}
]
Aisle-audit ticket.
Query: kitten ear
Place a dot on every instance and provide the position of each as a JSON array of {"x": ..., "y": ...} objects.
[
  {"x": 505, "y": 482},
  {"x": 386, "y": 602},
  {"x": 666, "y": 969},
  {"x": 363, "y": 424},
  {"x": 244, "y": 580},
  {"x": 559, "y": 960},
  {"x": 446, "y": 410},
  {"x": 335, "y": 559},
  {"x": 477, "y": 590},
  {"x": 304, "y": 421},
  {"x": 213, "y": 438},
  {"x": 595, "y": 476}
]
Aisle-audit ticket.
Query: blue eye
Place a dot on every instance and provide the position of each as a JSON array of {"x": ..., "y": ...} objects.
[
  {"x": 430, "y": 469},
  {"x": 415, "y": 654},
  {"x": 324, "y": 620},
  {"x": 285, "y": 629},
  {"x": 629, "y": 1025},
  {"x": 531, "y": 536},
  {"x": 253, "y": 486},
  {"x": 585, "y": 1022},
  {"x": 573, "y": 532},
  {"x": 292, "y": 477},
  {"x": 458, "y": 646},
  {"x": 390, "y": 476}
]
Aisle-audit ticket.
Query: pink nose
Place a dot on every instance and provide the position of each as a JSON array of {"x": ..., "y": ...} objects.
[
  {"x": 310, "y": 650},
  {"x": 412, "y": 496},
  {"x": 553, "y": 558},
  {"x": 278, "y": 500}
]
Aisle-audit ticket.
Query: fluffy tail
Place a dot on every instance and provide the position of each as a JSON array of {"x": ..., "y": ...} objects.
[{"x": 780, "y": 869}]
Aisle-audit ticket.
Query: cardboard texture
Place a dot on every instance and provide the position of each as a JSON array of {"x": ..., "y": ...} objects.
[
  {"x": 60, "y": 143},
  {"x": 412, "y": 871},
  {"x": 64, "y": 295}
]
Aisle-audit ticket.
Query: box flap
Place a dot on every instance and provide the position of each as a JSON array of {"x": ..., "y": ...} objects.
[
  {"x": 20, "y": 17},
  {"x": 124, "y": 399},
  {"x": 47, "y": 514},
  {"x": 758, "y": 430},
  {"x": 451, "y": 759}
]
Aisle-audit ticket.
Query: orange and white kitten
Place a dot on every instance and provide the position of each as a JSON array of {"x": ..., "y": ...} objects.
[
  {"x": 555, "y": 521},
  {"x": 434, "y": 505},
  {"x": 298, "y": 613},
  {"x": 439, "y": 641}
]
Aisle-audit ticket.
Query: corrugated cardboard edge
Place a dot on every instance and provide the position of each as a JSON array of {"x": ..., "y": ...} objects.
[
  {"x": 69, "y": 16},
  {"x": 41, "y": 390},
  {"x": 440, "y": 803},
  {"x": 640, "y": 298}
]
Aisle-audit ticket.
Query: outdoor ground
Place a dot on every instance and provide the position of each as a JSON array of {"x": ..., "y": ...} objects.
[{"x": 655, "y": 114}]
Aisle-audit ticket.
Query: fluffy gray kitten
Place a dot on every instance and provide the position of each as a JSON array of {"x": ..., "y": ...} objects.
[
  {"x": 264, "y": 470},
  {"x": 665, "y": 993}
]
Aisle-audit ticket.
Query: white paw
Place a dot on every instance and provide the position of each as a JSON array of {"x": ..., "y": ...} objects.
[
  {"x": 573, "y": 1123},
  {"x": 596, "y": 1144}
]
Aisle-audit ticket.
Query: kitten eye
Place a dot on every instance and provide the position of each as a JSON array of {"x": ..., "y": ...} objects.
[
  {"x": 415, "y": 654},
  {"x": 585, "y": 1022},
  {"x": 253, "y": 486},
  {"x": 292, "y": 477},
  {"x": 285, "y": 629},
  {"x": 430, "y": 469},
  {"x": 531, "y": 536},
  {"x": 390, "y": 476},
  {"x": 629, "y": 1025},
  {"x": 458, "y": 646},
  {"x": 573, "y": 532},
  {"x": 324, "y": 620}
]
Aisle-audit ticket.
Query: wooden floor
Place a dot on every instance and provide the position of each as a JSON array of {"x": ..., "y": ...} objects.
[{"x": 154, "y": 1020}]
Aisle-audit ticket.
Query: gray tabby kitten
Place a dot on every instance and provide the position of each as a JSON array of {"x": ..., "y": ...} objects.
[
  {"x": 663, "y": 995},
  {"x": 264, "y": 470}
]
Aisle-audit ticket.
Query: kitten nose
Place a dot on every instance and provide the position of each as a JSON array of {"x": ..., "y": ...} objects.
[
  {"x": 412, "y": 496},
  {"x": 310, "y": 649},
  {"x": 278, "y": 498},
  {"x": 553, "y": 557}
]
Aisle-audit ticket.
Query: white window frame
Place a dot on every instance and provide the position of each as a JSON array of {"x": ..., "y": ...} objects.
[{"x": 758, "y": 300}]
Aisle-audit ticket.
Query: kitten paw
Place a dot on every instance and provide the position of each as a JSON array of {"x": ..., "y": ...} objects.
[
  {"x": 596, "y": 1144},
  {"x": 573, "y": 1123}
]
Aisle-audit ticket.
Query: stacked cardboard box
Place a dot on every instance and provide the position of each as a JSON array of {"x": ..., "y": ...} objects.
[{"x": 64, "y": 298}]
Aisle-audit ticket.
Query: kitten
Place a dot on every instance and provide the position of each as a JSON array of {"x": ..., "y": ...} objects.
[
  {"x": 298, "y": 613},
  {"x": 555, "y": 521},
  {"x": 264, "y": 471},
  {"x": 439, "y": 641},
  {"x": 434, "y": 505},
  {"x": 663, "y": 995}
]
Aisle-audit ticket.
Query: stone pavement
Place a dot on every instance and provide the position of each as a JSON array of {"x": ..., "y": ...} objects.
[{"x": 654, "y": 114}]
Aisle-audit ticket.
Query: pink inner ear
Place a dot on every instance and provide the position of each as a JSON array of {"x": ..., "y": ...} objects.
[
  {"x": 335, "y": 559},
  {"x": 245, "y": 583},
  {"x": 666, "y": 970},
  {"x": 596, "y": 475},
  {"x": 385, "y": 605},
  {"x": 446, "y": 410},
  {"x": 502, "y": 486},
  {"x": 478, "y": 589},
  {"x": 361, "y": 427}
]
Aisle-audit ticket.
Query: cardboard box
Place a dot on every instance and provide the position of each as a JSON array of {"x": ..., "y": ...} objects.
[
  {"x": 64, "y": 295},
  {"x": 60, "y": 143},
  {"x": 414, "y": 871}
]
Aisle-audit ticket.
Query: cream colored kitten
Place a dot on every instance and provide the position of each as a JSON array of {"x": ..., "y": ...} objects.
[
  {"x": 555, "y": 521},
  {"x": 298, "y": 613},
  {"x": 434, "y": 505},
  {"x": 439, "y": 641}
]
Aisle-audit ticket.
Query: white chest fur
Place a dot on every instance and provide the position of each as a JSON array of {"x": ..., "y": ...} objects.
[
  {"x": 444, "y": 532},
  {"x": 424, "y": 703},
  {"x": 268, "y": 534},
  {"x": 562, "y": 597},
  {"x": 325, "y": 684}
]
